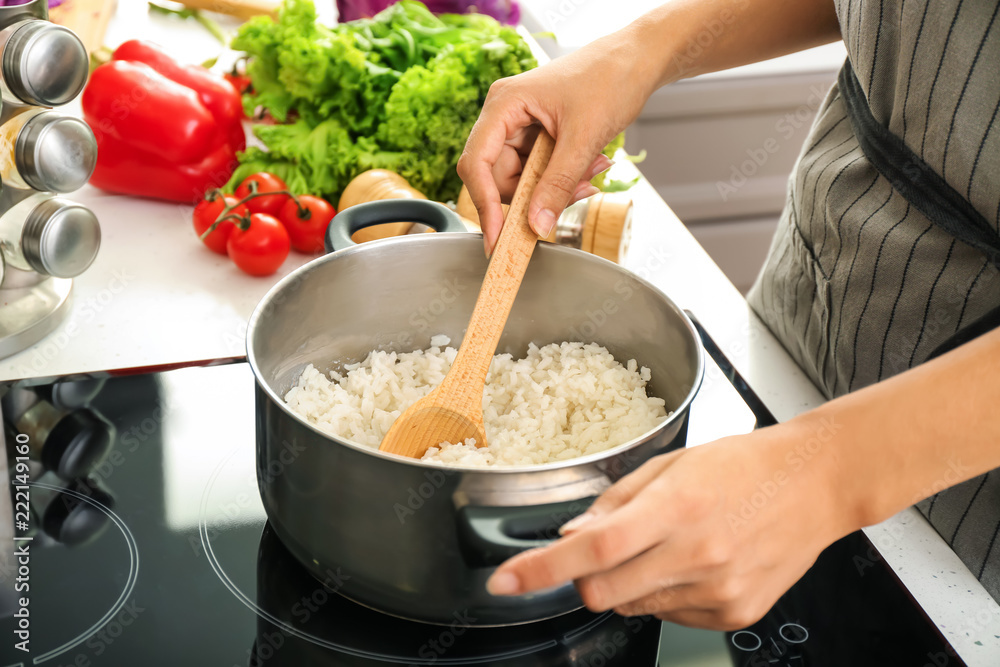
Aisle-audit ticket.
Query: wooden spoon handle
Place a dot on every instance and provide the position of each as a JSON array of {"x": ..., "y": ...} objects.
[{"x": 503, "y": 276}]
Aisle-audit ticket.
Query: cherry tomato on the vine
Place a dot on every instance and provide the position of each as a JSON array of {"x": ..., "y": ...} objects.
[
  {"x": 261, "y": 248},
  {"x": 205, "y": 215},
  {"x": 241, "y": 82},
  {"x": 307, "y": 227},
  {"x": 266, "y": 182}
]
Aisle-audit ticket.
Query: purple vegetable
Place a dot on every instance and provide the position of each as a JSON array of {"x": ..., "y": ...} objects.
[
  {"x": 14, "y": 3},
  {"x": 351, "y": 10},
  {"x": 505, "y": 11}
]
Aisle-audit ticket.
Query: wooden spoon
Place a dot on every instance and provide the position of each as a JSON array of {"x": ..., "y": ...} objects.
[{"x": 453, "y": 411}]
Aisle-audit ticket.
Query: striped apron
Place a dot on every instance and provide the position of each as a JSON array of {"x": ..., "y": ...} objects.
[{"x": 863, "y": 281}]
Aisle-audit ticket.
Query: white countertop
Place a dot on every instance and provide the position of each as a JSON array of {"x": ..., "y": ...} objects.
[{"x": 155, "y": 299}]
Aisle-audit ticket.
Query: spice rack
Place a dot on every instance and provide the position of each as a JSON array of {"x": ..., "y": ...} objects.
[{"x": 45, "y": 239}]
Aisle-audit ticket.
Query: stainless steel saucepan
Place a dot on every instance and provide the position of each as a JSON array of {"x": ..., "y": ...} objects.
[{"x": 415, "y": 539}]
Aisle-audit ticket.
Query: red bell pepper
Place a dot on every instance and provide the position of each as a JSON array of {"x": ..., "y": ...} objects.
[
  {"x": 123, "y": 169},
  {"x": 132, "y": 101},
  {"x": 162, "y": 131},
  {"x": 216, "y": 93}
]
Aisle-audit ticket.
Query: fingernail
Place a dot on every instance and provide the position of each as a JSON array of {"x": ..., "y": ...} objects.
[
  {"x": 503, "y": 583},
  {"x": 603, "y": 164},
  {"x": 489, "y": 244},
  {"x": 543, "y": 223},
  {"x": 584, "y": 191},
  {"x": 575, "y": 523}
]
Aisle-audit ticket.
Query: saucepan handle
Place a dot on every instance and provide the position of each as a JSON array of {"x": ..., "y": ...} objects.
[
  {"x": 437, "y": 216},
  {"x": 749, "y": 396},
  {"x": 491, "y": 535}
]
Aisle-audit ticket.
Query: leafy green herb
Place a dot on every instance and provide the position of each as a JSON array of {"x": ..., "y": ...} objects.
[
  {"x": 601, "y": 181},
  {"x": 99, "y": 56},
  {"x": 398, "y": 91},
  {"x": 618, "y": 185}
]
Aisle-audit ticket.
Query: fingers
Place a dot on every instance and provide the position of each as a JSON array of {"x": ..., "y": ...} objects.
[
  {"x": 725, "y": 598},
  {"x": 570, "y": 163},
  {"x": 632, "y": 586},
  {"x": 696, "y": 605},
  {"x": 507, "y": 172},
  {"x": 475, "y": 168},
  {"x": 572, "y": 557},
  {"x": 665, "y": 600},
  {"x": 493, "y": 143},
  {"x": 661, "y": 541},
  {"x": 494, "y": 156},
  {"x": 583, "y": 190},
  {"x": 601, "y": 163},
  {"x": 623, "y": 490},
  {"x": 613, "y": 531}
]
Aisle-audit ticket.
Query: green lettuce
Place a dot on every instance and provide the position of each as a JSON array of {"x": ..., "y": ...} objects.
[
  {"x": 601, "y": 181},
  {"x": 399, "y": 91}
]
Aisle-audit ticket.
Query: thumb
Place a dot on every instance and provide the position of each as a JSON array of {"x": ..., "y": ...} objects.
[{"x": 568, "y": 165}]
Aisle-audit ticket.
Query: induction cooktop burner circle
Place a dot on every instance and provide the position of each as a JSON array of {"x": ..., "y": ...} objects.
[
  {"x": 206, "y": 540},
  {"x": 130, "y": 579},
  {"x": 344, "y": 626}
]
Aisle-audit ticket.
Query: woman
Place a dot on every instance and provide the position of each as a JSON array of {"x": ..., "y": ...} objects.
[{"x": 888, "y": 248}]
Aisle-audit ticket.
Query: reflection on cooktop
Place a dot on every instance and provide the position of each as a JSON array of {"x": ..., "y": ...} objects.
[{"x": 302, "y": 621}]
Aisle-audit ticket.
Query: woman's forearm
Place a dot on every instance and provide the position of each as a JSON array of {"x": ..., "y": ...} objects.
[
  {"x": 684, "y": 38},
  {"x": 894, "y": 443},
  {"x": 586, "y": 98}
]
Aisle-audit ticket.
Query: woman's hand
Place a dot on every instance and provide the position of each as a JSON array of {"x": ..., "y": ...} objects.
[
  {"x": 712, "y": 536},
  {"x": 707, "y": 537},
  {"x": 586, "y": 98},
  {"x": 583, "y": 100}
]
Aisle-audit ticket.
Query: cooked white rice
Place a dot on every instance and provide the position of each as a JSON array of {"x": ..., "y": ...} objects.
[{"x": 559, "y": 402}]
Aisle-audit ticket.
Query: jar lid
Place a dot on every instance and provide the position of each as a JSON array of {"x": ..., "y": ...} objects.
[
  {"x": 60, "y": 238},
  {"x": 55, "y": 153},
  {"x": 45, "y": 64}
]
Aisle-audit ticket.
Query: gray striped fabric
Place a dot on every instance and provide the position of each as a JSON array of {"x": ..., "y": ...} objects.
[{"x": 858, "y": 284}]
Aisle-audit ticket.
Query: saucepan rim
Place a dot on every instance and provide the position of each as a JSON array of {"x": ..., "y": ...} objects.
[{"x": 303, "y": 271}]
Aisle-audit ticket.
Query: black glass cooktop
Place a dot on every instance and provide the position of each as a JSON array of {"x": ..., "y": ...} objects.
[{"x": 145, "y": 543}]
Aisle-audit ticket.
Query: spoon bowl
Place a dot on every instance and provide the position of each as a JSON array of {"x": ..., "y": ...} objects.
[{"x": 428, "y": 424}]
